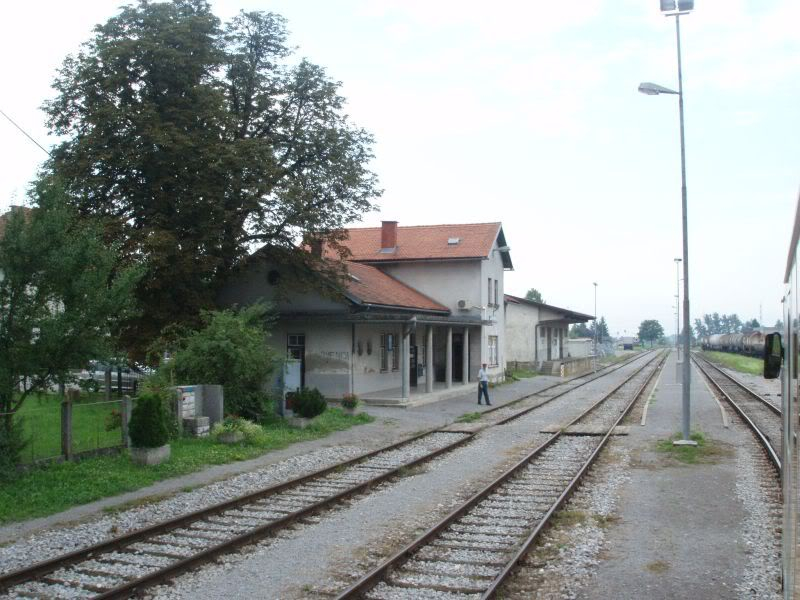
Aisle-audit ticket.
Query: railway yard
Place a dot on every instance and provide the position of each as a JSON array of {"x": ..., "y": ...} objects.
[{"x": 563, "y": 489}]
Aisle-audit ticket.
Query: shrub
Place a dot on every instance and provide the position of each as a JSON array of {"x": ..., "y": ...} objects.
[
  {"x": 148, "y": 426},
  {"x": 309, "y": 403},
  {"x": 12, "y": 442},
  {"x": 230, "y": 350},
  {"x": 350, "y": 401},
  {"x": 252, "y": 431}
]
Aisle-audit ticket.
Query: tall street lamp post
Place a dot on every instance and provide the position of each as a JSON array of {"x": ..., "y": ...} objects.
[
  {"x": 595, "y": 325},
  {"x": 678, "y": 306},
  {"x": 673, "y": 8}
]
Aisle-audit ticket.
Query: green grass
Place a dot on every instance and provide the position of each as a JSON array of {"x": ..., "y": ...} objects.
[
  {"x": 51, "y": 489},
  {"x": 705, "y": 451},
  {"x": 517, "y": 374},
  {"x": 737, "y": 362},
  {"x": 469, "y": 417},
  {"x": 41, "y": 419}
]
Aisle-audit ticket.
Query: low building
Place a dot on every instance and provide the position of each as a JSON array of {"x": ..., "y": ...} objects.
[
  {"x": 419, "y": 313},
  {"x": 537, "y": 332}
]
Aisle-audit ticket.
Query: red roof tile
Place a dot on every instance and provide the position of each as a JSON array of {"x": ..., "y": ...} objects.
[
  {"x": 373, "y": 286},
  {"x": 423, "y": 242}
]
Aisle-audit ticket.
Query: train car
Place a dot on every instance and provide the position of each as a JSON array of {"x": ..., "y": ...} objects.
[
  {"x": 753, "y": 344},
  {"x": 781, "y": 360}
]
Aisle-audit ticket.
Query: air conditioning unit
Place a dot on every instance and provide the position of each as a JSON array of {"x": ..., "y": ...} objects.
[{"x": 462, "y": 305}]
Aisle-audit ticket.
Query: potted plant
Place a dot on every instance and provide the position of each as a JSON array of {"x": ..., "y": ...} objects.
[
  {"x": 350, "y": 404},
  {"x": 148, "y": 431},
  {"x": 307, "y": 404},
  {"x": 234, "y": 430}
]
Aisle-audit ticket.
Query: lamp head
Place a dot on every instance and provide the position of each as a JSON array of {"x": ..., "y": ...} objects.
[
  {"x": 669, "y": 6},
  {"x": 653, "y": 89}
]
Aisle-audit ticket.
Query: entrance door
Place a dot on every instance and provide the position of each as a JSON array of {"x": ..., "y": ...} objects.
[
  {"x": 412, "y": 359},
  {"x": 458, "y": 354},
  {"x": 549, "y": 343},
  {"x": 296, "y": 349}
]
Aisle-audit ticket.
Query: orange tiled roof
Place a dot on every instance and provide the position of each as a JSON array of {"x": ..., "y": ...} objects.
[
  {"x": 423, "y": 242},
  {"x": 373, "y": 286}
]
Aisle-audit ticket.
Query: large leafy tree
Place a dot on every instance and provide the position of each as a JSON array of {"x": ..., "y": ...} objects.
[
  {"x": 61, "y": 293},
  {"x": 197, "y": 141},
  {"x": 650, "y": 330},
  {"x": 534, "y": 295}
]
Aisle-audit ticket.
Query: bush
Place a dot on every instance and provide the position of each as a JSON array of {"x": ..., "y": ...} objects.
[
  {"x": 12, "y": 442},
  {"x": 230, "y": 350},
  {"x": 252, "y": 431},
  {"x": 148, "y": 426},
  {"x": 309, "y": 403},
  {"x": 350, "y": 401}
]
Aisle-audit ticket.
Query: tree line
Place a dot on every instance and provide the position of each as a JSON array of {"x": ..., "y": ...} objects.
[{"x": 186, "y": 143}]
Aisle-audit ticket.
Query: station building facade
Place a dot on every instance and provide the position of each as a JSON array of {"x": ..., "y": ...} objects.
[
  {"x": 536, "y": 333},
  {"x": 421, "y": 310}
]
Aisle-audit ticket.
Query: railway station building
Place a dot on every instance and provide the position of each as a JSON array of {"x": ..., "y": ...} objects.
[
  {"x": 536, "y": 334},
  {"x": 420, "y": 311}
]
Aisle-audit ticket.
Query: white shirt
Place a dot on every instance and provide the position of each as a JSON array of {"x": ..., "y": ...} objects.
[{"x": 482, "y": 376}]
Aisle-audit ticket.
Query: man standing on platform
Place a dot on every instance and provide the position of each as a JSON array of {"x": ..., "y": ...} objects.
[{"x": 483, "y": 385}]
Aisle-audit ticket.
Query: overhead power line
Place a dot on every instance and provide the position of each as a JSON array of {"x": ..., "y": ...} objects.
[{"x": 25, "y": 133}]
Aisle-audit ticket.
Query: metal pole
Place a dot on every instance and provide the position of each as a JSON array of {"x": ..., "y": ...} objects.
[
  {"x": 595, "y": 326},
  {"x": 686, "y": 341},
  {"x": 678, "y": 307}
]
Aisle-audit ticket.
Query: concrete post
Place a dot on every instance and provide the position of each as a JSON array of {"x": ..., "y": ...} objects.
[
  {"x": 448, "y": 368},
  {"x": 126, "y": 406},
  {"x": 465, "y": 358},
  {"x": 405, "y": 358},
  {"x": 66, "y": 429},
  {"x": 429, "y": 360},
  {"x": 107, "y": 382}
]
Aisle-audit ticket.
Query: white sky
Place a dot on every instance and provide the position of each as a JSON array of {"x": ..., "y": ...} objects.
[{"x": 528, "y": 113}]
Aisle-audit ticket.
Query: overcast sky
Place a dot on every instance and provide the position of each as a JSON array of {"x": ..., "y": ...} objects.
[{"x": 527, "y": 113}]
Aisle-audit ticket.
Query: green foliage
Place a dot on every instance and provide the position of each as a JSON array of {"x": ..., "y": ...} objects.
[
  {"x": 534, "y": 295},
  {"x": 580, "y": 330},
  {"x": 62, "y": 292},
  {"x": 252, "y": 432},
  {"x": 52, "y": 489},
  {"x": 308, "y": 403},
  {"x": 350, "y": 401},
  {"x": 650, "y": 330},
  {"x": 196, "y": 140},
  {"x": 148, "y": 426},
  {"x": 469, "y": 417},
  {"x": 737, "y": 362},
  {"x": 230, "y": 350},
  {"x": 12, "y": 442}
]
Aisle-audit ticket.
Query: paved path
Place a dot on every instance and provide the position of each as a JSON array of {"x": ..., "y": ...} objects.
[
  {"x": 390, "y": 425},
  {"x": 678, "y": 536}
]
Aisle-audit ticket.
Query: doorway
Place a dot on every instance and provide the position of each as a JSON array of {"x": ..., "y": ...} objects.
[
  {"x": 296, "y": 349},
  {"x": 412, "y": 367},
  {"x": 458, "y": 354}
]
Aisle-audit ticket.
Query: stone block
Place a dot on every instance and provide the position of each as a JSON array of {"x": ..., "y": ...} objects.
[
  {"x": 197, "y": 426},
  {"x": 150, "y": 456}
]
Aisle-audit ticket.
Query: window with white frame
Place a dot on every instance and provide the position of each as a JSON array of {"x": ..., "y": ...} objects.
[
  {"x": 388, "y": 349},
  {"x": 493, "y": 355}
]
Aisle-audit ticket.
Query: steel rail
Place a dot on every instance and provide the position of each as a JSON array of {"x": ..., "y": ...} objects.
[
  {"x": 378, "y": 573},
  {"x": 740, "y": 384},
  {"x": 565, "y": 495},
  {"x": 46, "y": 567},
  {"x": 42, "y": 568},
  {"x": 760, "y": 435},
  {"x": 608, "y": 370}
]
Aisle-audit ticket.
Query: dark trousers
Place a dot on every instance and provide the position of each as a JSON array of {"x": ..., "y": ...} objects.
[{"x": 483, "y": 391}]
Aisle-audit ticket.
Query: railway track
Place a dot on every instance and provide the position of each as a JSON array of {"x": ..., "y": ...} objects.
[
  {"x": 471, "y": 552},
  {"x": 128, "y": 564},
  {"x": 760, "y": 415}
]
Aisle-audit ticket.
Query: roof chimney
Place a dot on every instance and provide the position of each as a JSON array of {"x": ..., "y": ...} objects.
[{"x": 388, "y": 236}]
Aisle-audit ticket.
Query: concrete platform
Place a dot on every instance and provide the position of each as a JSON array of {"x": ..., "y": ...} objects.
[
  {"x": 419, "y": 397},
  {"x": 678, "y": 534}
]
